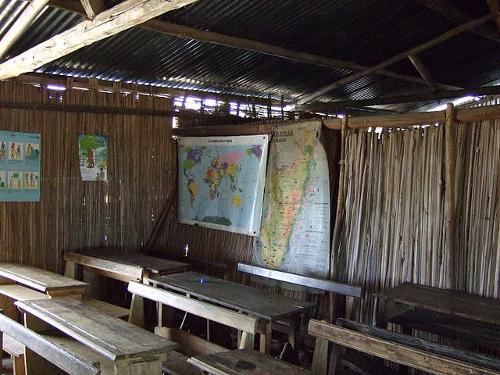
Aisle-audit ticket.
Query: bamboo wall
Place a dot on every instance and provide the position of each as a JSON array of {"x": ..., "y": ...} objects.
[
  {"x": 394, "y": 223},
  {"x": 72, "y": 214}
]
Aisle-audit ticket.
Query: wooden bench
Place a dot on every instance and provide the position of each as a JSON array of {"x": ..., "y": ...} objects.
[
  {"x": 248, "y": 325},
  {"x": 244, "y": 362},
  {"x": 63, "y": 359},
  {"x": 406, "y": 350}
]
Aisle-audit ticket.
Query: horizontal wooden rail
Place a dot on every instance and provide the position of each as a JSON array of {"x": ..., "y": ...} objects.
[
  {"x": 311, "y": 282},
  {"x": 66, "y": 361},
  {"x": 195, "y": 307}
]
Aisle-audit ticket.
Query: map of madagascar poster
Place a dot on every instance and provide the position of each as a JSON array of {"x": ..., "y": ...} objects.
[
  {"x": 295, "y": 234},
  {"x": 19, "y": 167},
  {"x": 221, "y": 182}
]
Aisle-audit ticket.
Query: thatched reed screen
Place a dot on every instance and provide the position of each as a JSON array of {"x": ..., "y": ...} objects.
[
  {"x": 394, "y": 223},
  {"x": 73, "y": 214}
]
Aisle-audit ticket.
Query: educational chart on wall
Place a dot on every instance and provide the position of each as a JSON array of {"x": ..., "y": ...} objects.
[
  {"x": 93, "y": 157},
  {"x": 295, "y": 234},
  {"x": 221, "y": 182},
  {"x": 19, "y": 167}
]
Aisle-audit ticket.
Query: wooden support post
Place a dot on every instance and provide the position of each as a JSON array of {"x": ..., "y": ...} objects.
[
  {"x": 336, "y": 300},
  {"x": 449, "y": 197}
]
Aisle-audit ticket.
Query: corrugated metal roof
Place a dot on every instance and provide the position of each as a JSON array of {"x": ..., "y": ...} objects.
[{"x": 362, "y": 31}]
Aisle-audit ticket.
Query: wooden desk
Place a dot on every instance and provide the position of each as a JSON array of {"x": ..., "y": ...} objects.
[
  {"x": 445, "y": 312},
  {"x": 255, "y": 302},
  {"x": 245, "y": 362},
  {"x": 132, "y": 349},
  {"x": 120, "y": 265},
  {"x": 47, "y": 282}
]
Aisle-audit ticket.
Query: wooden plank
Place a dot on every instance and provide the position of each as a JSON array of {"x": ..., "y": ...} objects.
[
  {"x": 473, "y": 358},
  {"x": 400, "y": 56},
  {"x": 63, "y": 359},
  {"x": 405, "y": 355},
  {"x": 244, "y": 362},
  {"x": 394, "y": 121},
  {"x": 446, "y": 301},
  {"x": 478, "y": 114},
  {"x": 114, "y": 270},
  {"x": 479, "y": 333},
  {"x": 189, "y": 343},
  {"x": 153, "y": 265},
  {"x": 253, "y": 301},
  {"x": 311, "y": 282},
  {"x": 195, "y": 307},
  {"x": 21, "y": 293},
  {"x": 93, "y": 7},
  {"x": 109, "y": 336},
  {"x": 22, "y": 23},
  {"x": 182, "y": 31},
  {"x": 117, "y": 19},
  {"x": 176, "y": 364},
  {"x": 38, "y": 279},
  {"x": 106, "y": 308}
]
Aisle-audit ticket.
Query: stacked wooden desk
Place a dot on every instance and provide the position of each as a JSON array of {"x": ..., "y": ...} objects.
[
  {"x": 449, "y": 313},
  {"x": 268, "y": 307}
]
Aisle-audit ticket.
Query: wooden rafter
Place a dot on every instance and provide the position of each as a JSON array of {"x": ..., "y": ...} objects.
[
  {"x": 495, "y": 11},
  {"x": 119, "y": 18},
  {"x": 453, "y": 14},
  {"x": 341, "y": 104},
  {"x": 423, "y": 71},
  {"x": 93, "y": 7},
  {"x": 396, "y": 58},
  {"x": 181, "y": 31},
  {"x": 21, "y": 25}
]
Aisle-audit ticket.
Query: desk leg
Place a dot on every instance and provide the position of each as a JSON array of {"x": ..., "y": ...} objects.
[
  {"x": 136, "y": 315},
  {"x": 265, "y": 339},
  {"x": 294, "y": 331},
  {"x": 73, "y": 270}
]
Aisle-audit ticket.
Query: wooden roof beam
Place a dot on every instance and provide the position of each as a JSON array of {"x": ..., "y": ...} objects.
[
  {"x": 453, "y": 14},
  {"x": 495, "y": 11},
  {"x": 21, "y": 25},
  {"x": 414, "y": 98},
  {"x": 423, "y": 71},
  {"x": 186, "y": 32},
  {"x": 93, "y": 7},
  {"x": 119, "y": 18},
  {"x": 396, "y": 58}
]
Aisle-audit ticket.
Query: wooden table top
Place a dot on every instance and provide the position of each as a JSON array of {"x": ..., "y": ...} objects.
[
  {"x": 245, "y": 362},
  {"x": 153, "y": 265},
  {"x": 111, "y": 337},
  {"x": 255, "y": 302},
  {"x": 446, "y": 301},
  {"x": 39, "y": 279}
]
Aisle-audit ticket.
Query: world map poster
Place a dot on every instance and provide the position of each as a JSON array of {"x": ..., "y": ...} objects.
[
  {"x": 295, "y": 228},
  {"x": 221, "y": 182},
  {"x": 19, "y": 167}
]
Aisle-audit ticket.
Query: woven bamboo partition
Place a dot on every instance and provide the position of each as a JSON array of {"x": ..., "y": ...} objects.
[
  {"x": 72, "y": 214},
  {"x": 394, "y": 223}
]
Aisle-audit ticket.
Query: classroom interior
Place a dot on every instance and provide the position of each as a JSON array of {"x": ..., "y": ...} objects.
[{"x": 249, "y": 187}]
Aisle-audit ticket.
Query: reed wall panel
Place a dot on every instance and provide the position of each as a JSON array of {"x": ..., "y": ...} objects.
[
  {"x": 394, "y": 224},
  {"x": 73, "y": 214}
]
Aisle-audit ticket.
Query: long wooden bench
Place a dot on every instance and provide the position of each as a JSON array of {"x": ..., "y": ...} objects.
[
  {"x": 63, "y": 359},
  {"x": 248, "y": 325},
  {"x": 406, "y": 350}
]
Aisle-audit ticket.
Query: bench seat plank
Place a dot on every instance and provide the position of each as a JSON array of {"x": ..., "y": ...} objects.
[
  {"x": 406, "y": 350},
  {"x": 41, "y": 280},
  {"x": 109, "y": 336},
  {"x": 245, "y": 362},
  {"x": 177, "y": 364},
  {"x": 21, "y": 293}
]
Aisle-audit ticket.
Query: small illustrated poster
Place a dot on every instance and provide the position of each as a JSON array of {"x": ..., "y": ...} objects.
[
  {"x": 19, "y": 167},
  {"x": 93, "y": 157}
]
